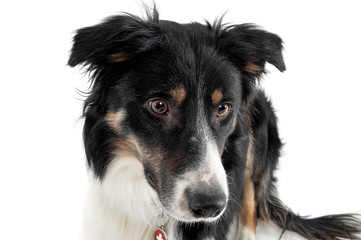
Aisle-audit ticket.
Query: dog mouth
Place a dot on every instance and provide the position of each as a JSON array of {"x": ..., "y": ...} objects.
[
  {"x": 151, "y": 179},
  {"x": 194, "y": 215}
]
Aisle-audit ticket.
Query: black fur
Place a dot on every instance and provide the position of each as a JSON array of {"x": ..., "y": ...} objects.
[{"x": 158, "y": 55}]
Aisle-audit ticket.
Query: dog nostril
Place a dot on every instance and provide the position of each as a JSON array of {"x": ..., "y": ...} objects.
[
  {"x": 203, "y": 206},
  {"x": 200, "y": 212}
]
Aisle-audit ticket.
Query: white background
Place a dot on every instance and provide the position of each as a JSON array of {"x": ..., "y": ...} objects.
[{"x": 42, "y": 164}]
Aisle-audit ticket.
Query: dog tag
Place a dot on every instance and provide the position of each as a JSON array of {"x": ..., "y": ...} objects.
[{"x": 160, "y": 234}]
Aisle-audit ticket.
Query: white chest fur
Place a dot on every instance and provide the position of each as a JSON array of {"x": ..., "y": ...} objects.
[{"x": 122, "y": 206}]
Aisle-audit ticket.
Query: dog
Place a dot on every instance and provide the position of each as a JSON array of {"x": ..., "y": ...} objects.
[{"x": 179, "y": 140}]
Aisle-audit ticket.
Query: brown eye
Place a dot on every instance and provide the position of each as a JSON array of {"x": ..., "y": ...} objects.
[
  {"x": 223, "y": 109},
  {"x": 159, "y": 106}
]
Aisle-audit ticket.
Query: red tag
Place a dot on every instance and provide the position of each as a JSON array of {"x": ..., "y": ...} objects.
[{"x": 160, "y": 235}]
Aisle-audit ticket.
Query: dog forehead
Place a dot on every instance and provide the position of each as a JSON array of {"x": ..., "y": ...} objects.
[
  {"x": 187, "y": 64},
  {"x": 210, "y": 80},
  {"x": 202, "y": 68}
]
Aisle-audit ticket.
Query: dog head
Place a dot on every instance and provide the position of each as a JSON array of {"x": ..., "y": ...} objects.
[{"x": 168, "y": 96}]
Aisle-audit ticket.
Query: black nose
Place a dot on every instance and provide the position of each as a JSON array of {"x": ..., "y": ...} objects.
[{"x": 205, "y": 206}]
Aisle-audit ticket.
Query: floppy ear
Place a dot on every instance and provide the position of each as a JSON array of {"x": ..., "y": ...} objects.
[
  {"x": 249, "y": 48},
  {"x": 115, "y": 40}
]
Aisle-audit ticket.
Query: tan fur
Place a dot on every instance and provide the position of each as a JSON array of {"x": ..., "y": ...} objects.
[
  {"x": 119, "y": 57},
  {"x": 217, "y": 96},
  {"x": 173, "y": 162},
  {"x": 179, "y": 94},
  {"x": 136, "y": 146},
  {"x": 248, "y": 214},
  {"x": 258, "y": 175},
  {"x": 153, "y": 158},
  {"x": 130, "y": 146},
  {"x": 253, "y": 68},
  {"x": 122, "y": 148},
  {"x": 263, "y": 210},
  {"x": 114, "y": 119}
]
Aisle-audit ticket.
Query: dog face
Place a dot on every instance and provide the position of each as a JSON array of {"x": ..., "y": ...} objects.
[
  {"x": 170, "y": 96},
  {"x": 179, "y": 121}
]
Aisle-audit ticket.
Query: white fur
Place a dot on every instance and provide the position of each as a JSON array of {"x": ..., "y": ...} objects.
[
  {"x": 244, "y": 233},
  {"x": 122, "y": 206},
  {"x": 215, "y": 166},
  {"x": 233, "y": 229}
]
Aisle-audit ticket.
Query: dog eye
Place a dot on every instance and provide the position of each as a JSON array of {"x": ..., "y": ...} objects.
[
  {"x": 223, "y": 110},
  {"x": 159, "y": 107}
]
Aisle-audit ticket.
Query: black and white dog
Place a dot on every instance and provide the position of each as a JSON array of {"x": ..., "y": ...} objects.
[{"x": 178, "y": 137}]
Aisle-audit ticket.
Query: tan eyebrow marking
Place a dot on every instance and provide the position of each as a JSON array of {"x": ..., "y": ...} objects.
[
  {"x": 179, "y": 94},
  {"x": 217, "y": 96}
]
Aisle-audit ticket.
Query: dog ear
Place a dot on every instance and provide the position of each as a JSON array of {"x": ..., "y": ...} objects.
[
  {"x": 249, "y": 48},
  {"x": 117, "y": 39}
]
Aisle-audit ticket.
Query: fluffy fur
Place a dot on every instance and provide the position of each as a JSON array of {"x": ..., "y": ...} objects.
[{"x": 175, "y": 125}]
